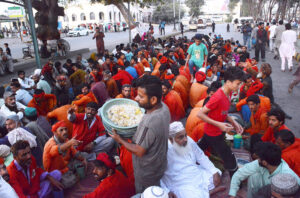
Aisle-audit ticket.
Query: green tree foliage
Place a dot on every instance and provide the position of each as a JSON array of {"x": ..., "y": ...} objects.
[
  {"x": 165, "y": 12},
  {"x": 195, "y": 7}
]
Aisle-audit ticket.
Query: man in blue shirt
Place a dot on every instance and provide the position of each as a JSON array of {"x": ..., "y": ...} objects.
[
  {"x": 197, "y": 54},
  {"x": 162, "y": 27},
  {"x": 260, "y": 172},
  {"x": 131, "y": 70}
]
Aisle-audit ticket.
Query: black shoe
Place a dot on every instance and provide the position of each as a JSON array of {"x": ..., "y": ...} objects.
[{"x": 275, "y": 57}]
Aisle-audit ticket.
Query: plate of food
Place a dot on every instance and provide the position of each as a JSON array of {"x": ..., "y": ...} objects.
[{"x": 123, "y": 115}]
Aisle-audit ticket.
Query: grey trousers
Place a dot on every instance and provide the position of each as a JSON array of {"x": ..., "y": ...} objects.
[{"x": 103, "y": 144}]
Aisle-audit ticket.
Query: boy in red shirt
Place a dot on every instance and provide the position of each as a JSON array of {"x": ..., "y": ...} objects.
[{"x": 215, "y": 113}]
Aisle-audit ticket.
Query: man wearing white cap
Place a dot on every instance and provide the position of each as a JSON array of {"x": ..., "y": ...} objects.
[{"x": 189, "y": 172}]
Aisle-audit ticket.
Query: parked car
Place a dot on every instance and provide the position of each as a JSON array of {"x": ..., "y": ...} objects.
[
  {"x": 201, "y": 24},
  {"x": 78, "y": 31},
  {"x": 193, "y": 25},
  {"x": 208, "y": 22}
]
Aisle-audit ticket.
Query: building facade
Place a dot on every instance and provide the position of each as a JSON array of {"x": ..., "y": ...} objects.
[{"x": 83, "y": 13}]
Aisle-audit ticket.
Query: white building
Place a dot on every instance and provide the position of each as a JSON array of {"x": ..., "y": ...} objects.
[
  {"x": 217, "y": 10},
  {"x": 82, "y": 12}
]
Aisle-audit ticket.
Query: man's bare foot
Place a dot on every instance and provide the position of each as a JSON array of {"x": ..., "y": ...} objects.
[{"x": 216, "y": 190}]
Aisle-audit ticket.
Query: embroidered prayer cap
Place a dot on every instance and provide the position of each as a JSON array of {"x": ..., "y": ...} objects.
[
  {"x": 154, "y": 192},
  {"x": 284, "y": 184},
  {"x": 175, "y": 127},
  {"x": 4, "y": 151}
]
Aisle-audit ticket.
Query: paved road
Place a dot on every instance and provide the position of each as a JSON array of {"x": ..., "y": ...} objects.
[
  {"x": 290, "y": 103},
  {"x": 111, "y": 40}
]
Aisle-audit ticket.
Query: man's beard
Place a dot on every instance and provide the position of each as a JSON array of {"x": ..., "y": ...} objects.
[
  {"x": 146, "y": 106},
  {"x": 181, "y": 150}
]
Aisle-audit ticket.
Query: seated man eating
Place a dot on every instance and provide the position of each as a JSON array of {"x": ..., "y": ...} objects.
[{"x": 189, "y": 172}]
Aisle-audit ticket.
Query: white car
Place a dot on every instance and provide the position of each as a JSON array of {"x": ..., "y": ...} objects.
[
  {"x": 193, "y": 26},
  {"x": 78, "y": 31}
]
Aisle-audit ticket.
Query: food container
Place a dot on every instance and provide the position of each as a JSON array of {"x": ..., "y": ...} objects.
[
  {"x": 125, "y": 132},
  {"x": 237, "y": 141}
]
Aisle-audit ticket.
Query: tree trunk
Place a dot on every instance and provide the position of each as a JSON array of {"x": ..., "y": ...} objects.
[
  {"x": 295, "y": 11},
  {"x": 47, "y": 18},
  {"x": 283, "y": 9},
  {"x": 124, "y": 10},
  {"x": 278, "y": 10}
]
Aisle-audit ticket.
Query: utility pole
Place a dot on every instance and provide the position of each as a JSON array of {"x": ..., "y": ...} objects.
[
  {"x": 174, "y": 29},
  {"x": 129, "y": 15},
  {"x": 33, "y": 34}
]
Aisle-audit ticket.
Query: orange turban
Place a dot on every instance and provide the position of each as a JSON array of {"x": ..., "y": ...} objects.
[{"x": 58, "y": 124}]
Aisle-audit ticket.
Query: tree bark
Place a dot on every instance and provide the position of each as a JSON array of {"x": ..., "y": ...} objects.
[
  {"x": 124, "y": 10},
  {"x": 47, "y": 18}
]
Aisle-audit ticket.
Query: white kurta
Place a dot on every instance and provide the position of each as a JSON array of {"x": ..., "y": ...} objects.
[
  {"x": 185, "y": 177},
  {"x": 287, "y": 47}
]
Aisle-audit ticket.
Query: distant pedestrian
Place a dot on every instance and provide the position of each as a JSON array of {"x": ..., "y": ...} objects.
[
  {"x": 246, "y": 30},
  {"x": 261, "y": 41},
  {"x": 228, "y": 27},
  {"x": 287, "y": 48},
  {"x": 7, "y": 49},
  {"x": 181, "y": 28},
  {"x": 99, "y": 40},
  {"x": 213, "y": 26},
  {"x": 272, "y": 35},
  {"x": 278, "y": 32},
  {"x": 162, "y": 27}
]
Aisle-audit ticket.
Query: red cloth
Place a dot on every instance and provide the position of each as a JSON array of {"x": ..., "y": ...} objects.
[
  {"x": 124, "y": 77},
  {"x": 20, "y": 183},
  {"x": 200, "y": 76},
  {"x": 269, "y": 134},
  {"x": 46, "y": 69},
  {"x": 255, "y": 87},
  {"x": 181, "y": 90},
  {"x": 219, "y": 105},
  {"x": 103, "y": 157},
  {"x": 198, "y": 132},
  {"x": 84, "y": 133},
  {"x": 114, "y": 186},
  {"x": 174, "y": 102},
  {"x": 58, "y": 124},
  {"x": 291, "y": 156},
  {"x": 197, "y": 93},
  {"x": 126, "y": 163},
  {"x": 47, "y": 104}
]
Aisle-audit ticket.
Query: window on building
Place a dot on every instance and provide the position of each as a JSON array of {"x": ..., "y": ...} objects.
[
  {"x": 110, "y": 16},
  {"x": 101, "y": 15},
  {"x": 74, "y": 17},
  {"x": 82, "y": 17},
  {"x": 92, "y": 16},
  {"x": 120, "y": 16}
]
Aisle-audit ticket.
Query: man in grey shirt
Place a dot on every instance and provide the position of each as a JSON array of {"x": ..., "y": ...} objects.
[{"x": 150, "y": 142}]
